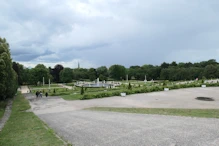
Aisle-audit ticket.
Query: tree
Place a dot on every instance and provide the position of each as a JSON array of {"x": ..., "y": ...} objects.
[
  {"x": 92, "y": 74},
  {"x": 80, "y": 74},
  {"x": 164, "y": 65},
  {"x": 8, "y": 77},
  {"x": 211, "y": 71},
  {"x": 173, "y": 63},
  {"x": 117, "y": 72},
  {"x": 55, "y": 72},
  {"x": 102, "y": 72},
  {"x": 66, "y": 75},
  {"x": 82, "y": 90},
  {"x": 38, "y": 73},
  {"x": 130, "y": 86},
  {"x": 19, "y": 69}
]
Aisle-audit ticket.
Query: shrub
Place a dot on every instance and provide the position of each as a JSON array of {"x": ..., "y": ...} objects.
[
  {"x": 87, "y": 96},
  {"x": 82, "y": 90},
  {"x": 130, "y": 86},
  {"x": 116, "y": 93}
]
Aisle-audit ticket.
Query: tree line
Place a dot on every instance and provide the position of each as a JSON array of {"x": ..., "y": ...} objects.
[{"x": 166, "y": 71}]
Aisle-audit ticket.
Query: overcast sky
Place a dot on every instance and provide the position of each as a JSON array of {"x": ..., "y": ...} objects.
[{"x": 107, "y": 32}]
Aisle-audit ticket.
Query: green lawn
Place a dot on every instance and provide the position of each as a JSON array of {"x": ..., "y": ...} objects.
[
  {"x": 207, "y": 113},
  {"x": 25, "y": 128},
  {"x": 45, "y": 86},
  {"x": 72, "y": 97},
  {"x": 2, "y": 108}
]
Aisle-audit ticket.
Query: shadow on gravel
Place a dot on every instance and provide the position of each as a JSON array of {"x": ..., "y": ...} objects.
[{"x": 205, "y": 98}]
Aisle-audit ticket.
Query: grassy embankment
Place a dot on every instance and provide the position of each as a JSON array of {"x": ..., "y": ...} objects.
[
  {"x": 25, "y": 128},
  {"x": 205, "y": 113}
]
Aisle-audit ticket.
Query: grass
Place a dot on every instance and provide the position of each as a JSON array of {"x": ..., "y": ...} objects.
[
  {"x": 45, "y": 86},
  {"x": 3, "y": 105},
  {"x": 72, "y": 97},
  {"x": 25, "y": 128},
  {"x": 205, "y": 113}
]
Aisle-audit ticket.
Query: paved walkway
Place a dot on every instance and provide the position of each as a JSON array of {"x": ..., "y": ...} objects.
[{"x": 83, "y": 127}]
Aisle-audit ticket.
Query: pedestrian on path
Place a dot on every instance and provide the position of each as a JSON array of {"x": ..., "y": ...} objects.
[
  {"x": 37, "y": 94},
  {"x": 41, "y": 94},
  {"x": 46, "y": 94}
]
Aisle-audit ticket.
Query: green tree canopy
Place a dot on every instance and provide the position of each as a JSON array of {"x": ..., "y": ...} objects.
[
  {"x": 66, "y": 75},
  {"x": 37, "y": 74},
  {"x": 117, "y": 72},
  {"x": 8, "y": 77}
]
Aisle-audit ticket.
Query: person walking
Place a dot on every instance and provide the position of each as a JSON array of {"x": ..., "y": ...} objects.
[
  {"x": 41, "y": 94},
  {"x": 37, "y": 94},
  {"x": 46, "y": 94}
]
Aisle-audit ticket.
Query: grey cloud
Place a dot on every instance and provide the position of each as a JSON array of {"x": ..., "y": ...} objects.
[{"x": 111, "y": 32}]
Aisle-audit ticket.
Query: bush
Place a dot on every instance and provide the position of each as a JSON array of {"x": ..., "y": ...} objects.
[
  {"x": 87, "y": 96},
  {"x": 130, "y": 86},
  {"x": 59, "y": 93},
  {"x": 82, "y": 90}
]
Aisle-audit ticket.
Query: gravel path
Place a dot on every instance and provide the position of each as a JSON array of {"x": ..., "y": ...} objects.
[{"x": 88, "y": 128}]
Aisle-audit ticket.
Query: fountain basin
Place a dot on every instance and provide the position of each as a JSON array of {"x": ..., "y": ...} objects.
[{"x": 97, "y": 85}]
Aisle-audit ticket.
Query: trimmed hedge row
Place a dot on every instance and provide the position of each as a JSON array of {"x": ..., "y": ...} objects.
[{"x": 144, "y": 90}]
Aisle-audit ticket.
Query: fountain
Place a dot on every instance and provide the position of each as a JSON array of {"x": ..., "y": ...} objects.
[{"x": 97, "y": 84}]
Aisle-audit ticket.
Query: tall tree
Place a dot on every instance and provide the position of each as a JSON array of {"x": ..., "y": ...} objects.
[
  {"x": 55, "y": 72},
  {"x": 8, "y": 77},
  {"x": 117, "y": 72},
  {"x": 92, "y": 74},
  {"x": 19, "y": 69},
  {"x": 102, "y": 72},
  {"x": 38, "y": 73},
  {"x": 66, "y": 75}
]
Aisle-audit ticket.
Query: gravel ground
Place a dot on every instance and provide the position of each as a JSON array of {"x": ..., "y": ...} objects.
[{"x": 90, "y": 128}]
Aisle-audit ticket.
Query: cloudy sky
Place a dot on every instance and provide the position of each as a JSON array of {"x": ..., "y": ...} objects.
[{"x": 107, "y": 32}]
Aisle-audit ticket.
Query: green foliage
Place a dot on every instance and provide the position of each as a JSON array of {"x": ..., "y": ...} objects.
[
  {"x": 55, "y": 72},
  {"x": 102, "y": 72},
  {"x": 117, "y": 72},
  {"x": 38, "y": 73},
  {"x": 19, "y": 69},
  {"x": 66, "y": 75},
  {"x": 82, "y": 90},
  {"x": 8, "y": 77},
  {"x": 130, "y": 86}
]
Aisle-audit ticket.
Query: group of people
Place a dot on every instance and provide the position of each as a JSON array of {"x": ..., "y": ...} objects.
[{"x": 40, "y": 94}]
